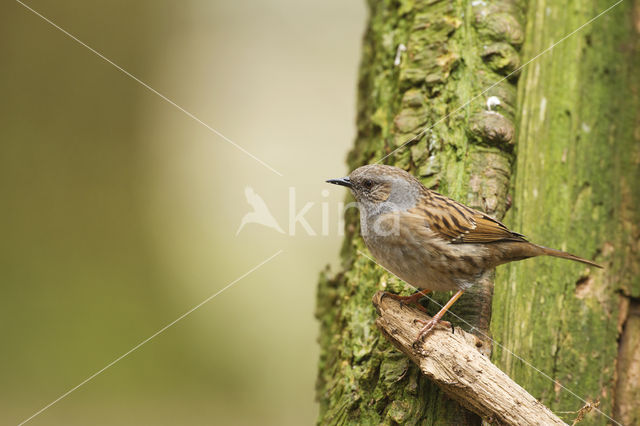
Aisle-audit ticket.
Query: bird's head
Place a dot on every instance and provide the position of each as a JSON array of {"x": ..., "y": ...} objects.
[{"x": 377, "y": 184}]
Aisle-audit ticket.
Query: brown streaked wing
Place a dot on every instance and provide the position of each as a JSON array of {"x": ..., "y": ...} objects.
[
  {"x": 458, "y": 223},
  {"x": 489, "y": 230}
]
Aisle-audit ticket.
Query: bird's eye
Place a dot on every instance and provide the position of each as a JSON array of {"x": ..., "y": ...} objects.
[{"x": 367, "y": 183}]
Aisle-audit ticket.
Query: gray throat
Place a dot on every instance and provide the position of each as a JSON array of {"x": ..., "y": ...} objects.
[{"x": 404, "y": 196}]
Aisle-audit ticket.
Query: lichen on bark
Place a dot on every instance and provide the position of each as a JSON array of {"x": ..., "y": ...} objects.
[
  {"x": 455, "y": 50},
  {"x": 577, "y": 188}
]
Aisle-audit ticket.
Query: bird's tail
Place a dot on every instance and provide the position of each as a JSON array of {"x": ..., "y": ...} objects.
[{"x": 563, "y": 254}]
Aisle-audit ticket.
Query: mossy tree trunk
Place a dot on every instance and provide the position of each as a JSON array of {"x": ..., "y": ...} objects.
[
  {"x": 455, "y": 50},
  {"x": 577, "y": 187}
]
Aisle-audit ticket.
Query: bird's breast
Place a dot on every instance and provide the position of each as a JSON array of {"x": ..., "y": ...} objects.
[{"x": 420, "y": 257}]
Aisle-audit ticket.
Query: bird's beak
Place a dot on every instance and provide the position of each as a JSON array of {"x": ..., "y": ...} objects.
[{"x": 341, "y": 181}]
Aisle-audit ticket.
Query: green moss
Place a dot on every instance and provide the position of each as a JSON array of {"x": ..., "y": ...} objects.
[
  {"x": 362, "y": 379},
  {"x": 577, "y": 188},
  {"x": 577, "y": 120}
]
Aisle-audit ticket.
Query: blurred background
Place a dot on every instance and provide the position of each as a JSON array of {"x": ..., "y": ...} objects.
[{"x": 120, "y": 212}]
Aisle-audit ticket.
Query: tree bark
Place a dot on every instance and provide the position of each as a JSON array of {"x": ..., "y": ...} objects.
[
  {"x": 455, "y": 50},
  {"x": 577, "y": 187},
  {"x": 451, "y": 359}
]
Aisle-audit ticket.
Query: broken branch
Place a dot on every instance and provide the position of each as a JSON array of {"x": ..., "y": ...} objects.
[{"x": 453, "y": 362}]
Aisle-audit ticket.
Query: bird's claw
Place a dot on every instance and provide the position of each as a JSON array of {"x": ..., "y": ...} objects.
[
  {"x": 407, "y": 300},
  {"x": 427, "y": 327}
]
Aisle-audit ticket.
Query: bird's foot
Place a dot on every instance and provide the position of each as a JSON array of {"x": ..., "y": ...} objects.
[
  {"x": 428, "y": 326},
  {"x": 414, "y": 299}
]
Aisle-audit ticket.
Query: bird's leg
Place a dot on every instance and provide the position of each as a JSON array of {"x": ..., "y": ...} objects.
[
  {"x": 414, "y": 299},
  {"x": 429, "y": 325}
]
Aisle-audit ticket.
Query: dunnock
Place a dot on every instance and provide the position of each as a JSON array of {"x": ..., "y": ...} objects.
[{"x": 431, "y": 241}]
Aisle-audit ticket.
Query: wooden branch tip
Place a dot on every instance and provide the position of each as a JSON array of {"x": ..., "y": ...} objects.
[{"x": 452, "y": 360}]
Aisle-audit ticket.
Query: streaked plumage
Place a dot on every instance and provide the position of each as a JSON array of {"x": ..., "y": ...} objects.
[{"x": 429, "y": 240}]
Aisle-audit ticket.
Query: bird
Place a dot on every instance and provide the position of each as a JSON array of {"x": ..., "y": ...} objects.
[{"x": 431, "y": 241}]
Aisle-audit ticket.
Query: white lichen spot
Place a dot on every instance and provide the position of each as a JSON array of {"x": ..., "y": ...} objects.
[
  {"x": 535, "y": 192},
  {"x": 585, "y": 127},
  {"x": 475, "y": 3},
  {"x": 543, "y": 108},
  {"x": 548, "y": 11},
  {"x": 491, "y": 102},
  {"x": 398, "y": 59}
]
